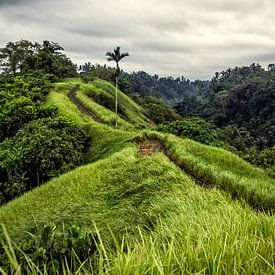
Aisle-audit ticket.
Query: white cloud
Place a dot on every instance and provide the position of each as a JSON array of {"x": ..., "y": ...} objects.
[{"x": 181, "y": 37}]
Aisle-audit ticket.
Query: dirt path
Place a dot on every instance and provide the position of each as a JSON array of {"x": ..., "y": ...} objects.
[
  {"x": 80, "y": 106},
  {"x": 148, "y": 147}
]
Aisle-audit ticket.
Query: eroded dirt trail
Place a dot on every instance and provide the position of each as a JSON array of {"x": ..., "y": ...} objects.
[
  {"x": 149, "y": 147},
  {"x": 80, "y": 106}
]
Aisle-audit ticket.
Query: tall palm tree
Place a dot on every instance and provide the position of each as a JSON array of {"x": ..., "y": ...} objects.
[{"x": 116, "y": 56}]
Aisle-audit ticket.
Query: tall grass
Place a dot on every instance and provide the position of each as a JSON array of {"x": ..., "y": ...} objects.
[
  {"x": 217, "y": 167},
  {"x": 150, "y": 216},
  {"x": 103, "y": 113},
  {"x": 134, "y": 112},
  {"x": 104, "y": 140}
]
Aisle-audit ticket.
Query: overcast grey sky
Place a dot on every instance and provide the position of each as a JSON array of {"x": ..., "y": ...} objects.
[{"x": 193, "y": 38}]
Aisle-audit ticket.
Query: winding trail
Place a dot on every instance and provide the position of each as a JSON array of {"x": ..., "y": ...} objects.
[
  {"x": 148, "y": 147},
  {"x": 80, "y": 106}
]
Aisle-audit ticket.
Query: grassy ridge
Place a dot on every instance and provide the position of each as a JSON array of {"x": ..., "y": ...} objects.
[
  {"x": 104, "y": 140},
  {"x": 110, "y": 89},
  {"x": 134, "y": 113},
  {"x": 162, "y": 222},
  {"x": 216, "y": 167},
  {"x": 108, "y": 117},
  {"x": 220, "y": 168},
  {"x": 171, "y": 225}
]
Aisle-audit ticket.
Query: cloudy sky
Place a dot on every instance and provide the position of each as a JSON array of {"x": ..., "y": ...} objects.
[{"x": 193, "y": 38}]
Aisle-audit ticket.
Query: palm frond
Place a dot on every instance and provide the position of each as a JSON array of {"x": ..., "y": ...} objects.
[
  {"x": 122, "y": 55},
  {"x": 117, "y": 51},
  {"x": 116, "y": 56}
]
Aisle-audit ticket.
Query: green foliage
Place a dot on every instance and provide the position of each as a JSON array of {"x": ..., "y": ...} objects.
[
  {"x": 42, "y": 149},
  {"x": 243, "y": 97},
  {"x": 238, "y": 137},
  {"x": 170, "y": 90},
  {"x": 264, "y": 159},
  {"x": 21, "y": 100},
  {"x": 187, "y": 106},
  {"x": 158, "y": 111},
  {"x": 19, "y": 111},
  {"x": 49, "y": 247},
  {"x": 34, "y": 85},
  {"x": 13, "y": 55},
  {"x": 116, "y": 56},
  {"x": 193, "y": 128},
  {"x": 108, "y": 102},
  {"x": 27, "y": 56}
]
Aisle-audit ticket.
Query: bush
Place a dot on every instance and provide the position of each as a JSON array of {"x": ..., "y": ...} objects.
[
  {"x": 19, "y": 111},
  {"x": 51, "y": 248},
  {"x": 193, "y": 128},
  {"x": 158, "y": 111},
  {"x": 42, "y": 149}
]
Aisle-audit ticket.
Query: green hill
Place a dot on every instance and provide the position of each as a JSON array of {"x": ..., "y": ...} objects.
[{"x": 158, "y": 204}]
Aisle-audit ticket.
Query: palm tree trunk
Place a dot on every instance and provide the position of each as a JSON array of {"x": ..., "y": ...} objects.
[{"x": 116, "y": 99}]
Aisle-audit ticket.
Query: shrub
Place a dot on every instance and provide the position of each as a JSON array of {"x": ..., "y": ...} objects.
[
  {"x": 49, "y": 247},
  {"x": 42, "y": 149},
  {"x": 158, "y": 111},
  {"x": 19, "y": 111},
  {"x": 193, "y": 128}
]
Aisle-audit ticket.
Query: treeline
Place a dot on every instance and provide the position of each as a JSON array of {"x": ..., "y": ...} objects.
[
  {"x": 243, "y": 97},
  {"x": 170, "y": 90},
  {"x": 24, "y": 56}
]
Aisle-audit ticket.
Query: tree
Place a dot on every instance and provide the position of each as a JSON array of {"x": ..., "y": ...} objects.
[
  {"x": 116, "y": 56},
  {"x": 50, "y": 59},
  {"x": 13, "y": 55}
]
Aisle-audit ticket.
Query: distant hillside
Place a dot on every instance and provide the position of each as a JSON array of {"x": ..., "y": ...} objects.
[
  {"x": 169, "y": 89},
  {"x": 245, "y": 97}
]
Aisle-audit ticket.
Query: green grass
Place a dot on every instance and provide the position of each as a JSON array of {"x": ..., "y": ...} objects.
[
  {"x": 66, "y": 108},
  {"x": 108, "y": 117},
  {"x": 104, "y": 140},
  {"x": 149, "y": 215},
  {"x": 168, "y": 223},
  {"x": 134, "y": 112},
  {"x": 220, "y": 168}
]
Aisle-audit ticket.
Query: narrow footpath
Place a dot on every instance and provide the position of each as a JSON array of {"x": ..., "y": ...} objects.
[{"x": 80, "y": 106}]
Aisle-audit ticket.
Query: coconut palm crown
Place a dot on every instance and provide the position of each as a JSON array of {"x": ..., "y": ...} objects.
[{"x": 116, "y": 56}]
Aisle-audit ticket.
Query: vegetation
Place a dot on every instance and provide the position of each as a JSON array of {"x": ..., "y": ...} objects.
[
  {"x": 43, "y": 149},
  {"x": 129, "y": 199},
  {"x": 26, "y": 56},
  {"x": 156, "y": 212},
  {"x": 193, "y": 128}
]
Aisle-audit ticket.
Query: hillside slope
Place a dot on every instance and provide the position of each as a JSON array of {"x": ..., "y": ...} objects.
[{"x": 161, "y": 197}]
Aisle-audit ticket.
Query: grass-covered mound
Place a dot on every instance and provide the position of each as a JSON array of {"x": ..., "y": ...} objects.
[
  {"x": 147, "y": 212},
  {"x": 217, "y": 167},
  {"x": 158, "y": 209},
  {"x": 99, "y": 98}
]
